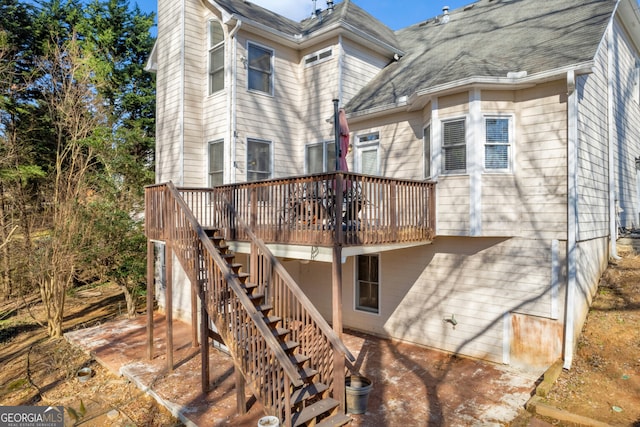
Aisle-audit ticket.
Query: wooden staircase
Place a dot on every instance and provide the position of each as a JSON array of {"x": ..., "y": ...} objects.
[
  {"x": 286, "y": 353},
  {"x": 310, "y": 403}
]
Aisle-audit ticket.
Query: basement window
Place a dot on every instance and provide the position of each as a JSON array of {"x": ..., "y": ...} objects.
[{"x": 368, "y": 283}]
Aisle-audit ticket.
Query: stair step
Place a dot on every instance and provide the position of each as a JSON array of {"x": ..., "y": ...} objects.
[
  {"x": 257, "y": 299},
  {"x": 306, "y": 392},
  {"x": 264, "y": 308},
  {"x": 307, "y": 374},
  {"x": 229, "y": 257},
  {"x": 281, "y": 332},
  {"x": 248, "y": 287},
  {"x": 242, "y": 277},
  {"x": 210, "y": 231},
  {"x": 336, "y": 420},
  {"x": 312, "y": 411},
  {"x": 223, "y": 248},
  {"x": 272, "y": 320},
  {"x": 235, "y": 267},
  {"x": 289, "y": 346},
  {"x": 299, "y": 359}
]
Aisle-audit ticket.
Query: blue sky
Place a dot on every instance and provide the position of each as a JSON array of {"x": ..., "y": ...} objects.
[{"x": 395, "y": 14}]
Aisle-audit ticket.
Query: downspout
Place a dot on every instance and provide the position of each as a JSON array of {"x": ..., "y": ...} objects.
[
  {"x": 613, "y": 214},
  {"x": 572, "y": 216},
  {"x": 233, "y": 113}
]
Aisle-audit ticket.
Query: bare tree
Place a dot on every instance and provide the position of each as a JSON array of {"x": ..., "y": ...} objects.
[{"x": 70, "y": 95}]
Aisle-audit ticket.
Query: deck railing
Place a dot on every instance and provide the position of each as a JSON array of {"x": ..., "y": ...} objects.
[{"x": 323, "y": 210}]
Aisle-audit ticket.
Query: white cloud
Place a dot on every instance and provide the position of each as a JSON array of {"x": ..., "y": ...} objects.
[{"x": 292, "y": 9}]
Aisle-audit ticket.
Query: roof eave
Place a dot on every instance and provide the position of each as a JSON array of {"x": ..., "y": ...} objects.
[
  {"x": 421, "y": 97},
  {"x": 152, "y": 62},
  {"x": 299, "y": 41}
]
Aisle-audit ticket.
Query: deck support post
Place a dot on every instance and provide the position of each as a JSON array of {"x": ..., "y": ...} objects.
[
  {"x": 338, "y": 358},
  {"x": 204, "y": 341},
  {"x": 150, "y": 297},
  {"x": 169, "y": 305},
  {"x": 336, "y": 291},
  {"x": 241, "y": 399},
  {"x": 194, "y": 305}
]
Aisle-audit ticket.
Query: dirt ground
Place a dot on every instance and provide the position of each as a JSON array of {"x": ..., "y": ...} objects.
[
  {"x": 603, "y": 384},
  {"x": 36, "y": 370},
  {"x": 604, "y": 381}
]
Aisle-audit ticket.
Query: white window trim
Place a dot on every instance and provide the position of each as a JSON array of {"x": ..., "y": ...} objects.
[
  {"x": 355, "y": 286},
  {"x": 211, "y": 48},
  {"x": 325, "y": 155},
  {"x": 208, "y": 174},
  {"x": 424, "y": 144},
  {"x": 273, "y": 68},
  {"x": 317, "y": 59},
  {"x": 636, "y": 81},
  {"x": 246, "y": 157},
  {"x": 510, "y": 167},
  {"x": 442, "y": 122},
  {"x": 361, "y": 146}
]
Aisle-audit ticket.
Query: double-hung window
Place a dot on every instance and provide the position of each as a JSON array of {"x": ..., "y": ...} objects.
[
  {"x": 260, "y": 66},
  {"x": 258, "y": 159},
  {"x": 497, "y": 144},
  {"x": 368, "y": 283},
  {"x": 216, "y": 163},
  {"x": 454, "y": 146},
  {"x": 320, "y": 157},
  {"x": 216, "y": 57},
  {"x": 426, "y": 154},
  {"x": 367, "y": 154}
]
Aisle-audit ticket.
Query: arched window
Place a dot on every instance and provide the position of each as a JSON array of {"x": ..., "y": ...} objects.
[{"x": 216, "y": 57}]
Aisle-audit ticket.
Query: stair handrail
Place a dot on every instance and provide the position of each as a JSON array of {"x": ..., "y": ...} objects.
[
  {"x": 331, "y": 335},
  {"x": 286, "y": 363}
]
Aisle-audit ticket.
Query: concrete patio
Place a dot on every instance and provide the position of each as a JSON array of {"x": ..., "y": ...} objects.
[{"x": 412, "y": 385}]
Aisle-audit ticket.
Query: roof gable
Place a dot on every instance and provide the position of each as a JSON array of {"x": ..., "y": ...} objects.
[
  {"x": 345, "y": 15},
  {"x": 490, "y": 38}
]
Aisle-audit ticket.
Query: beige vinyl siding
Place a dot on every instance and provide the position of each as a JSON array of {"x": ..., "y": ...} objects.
[
  {"x": 478, "y": 280},
  {"x": 452, "y": 204},
  {"x": 541, "y": 168},
  {"x": 501, "y": 205},
  {"x": 169, "y": 84},
  {"x": 626, "y": 130},
  {"x": 592, "y": 257},
  {"x": 400, "y": 150},
  {"x": 194, "y": 91},
  {"x": 267, "y": 117},
  {"x": 360, "y": 66},
  {"x": 593, "y": 157},
  {"x": 318, "y": 87}
]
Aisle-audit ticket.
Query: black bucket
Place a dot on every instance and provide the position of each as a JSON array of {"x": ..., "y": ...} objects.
[{"x": 357, "y": 391}]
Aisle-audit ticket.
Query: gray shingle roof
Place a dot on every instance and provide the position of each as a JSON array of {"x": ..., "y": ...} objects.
[
  {"x": 345, "y": 13},
  {"x": 490, "y": 38}
]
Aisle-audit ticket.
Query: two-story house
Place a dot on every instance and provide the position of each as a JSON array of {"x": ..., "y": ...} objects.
[{"x": 507, "y": 129}]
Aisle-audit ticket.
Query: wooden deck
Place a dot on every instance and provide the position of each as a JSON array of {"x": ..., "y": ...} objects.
[
  {"x": 342, "y": 209},
  {"x": 285, "y": 351}
]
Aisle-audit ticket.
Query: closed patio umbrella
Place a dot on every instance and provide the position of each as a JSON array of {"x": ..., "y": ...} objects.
[{"x": 343, "y": 148}]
